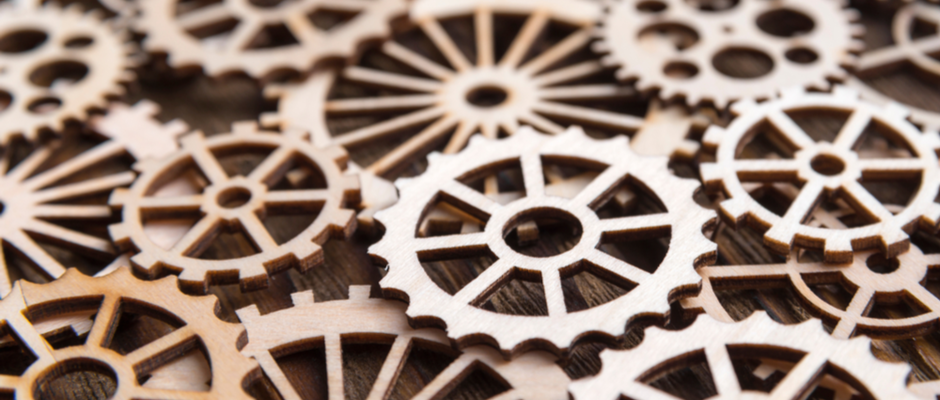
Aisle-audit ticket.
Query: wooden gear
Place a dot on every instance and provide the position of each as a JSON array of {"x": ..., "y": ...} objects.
[
  {"x": 168, "y": 23},
  {"x": 466, "y": 323},
  {"x": 807, "y": 345},
  {"x": 41, "y": 100},
  {"x": 113, "y": 295},
  {"x": 649, "y": 59},
  {"x": 889, "y": 232},
  {"x": 143, "y": 203},
  {"x": 362, "y": 319}
]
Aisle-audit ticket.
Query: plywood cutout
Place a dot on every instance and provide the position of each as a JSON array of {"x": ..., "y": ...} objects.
[
  {"x": 198, "y": 330},
  {"x": 466, "y": 322},
  {"x": 824, "y": 170},
  {"x": 177, "y": 28},
  {"x": 670, "y": 45},
  {"x": 812, "y": 352},
  {"x": 364, "y": 320},
  {"x": 239, "y": 203},
  {"x": 40, "y": 97}
]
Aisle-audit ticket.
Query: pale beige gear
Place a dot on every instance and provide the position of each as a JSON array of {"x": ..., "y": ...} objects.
[
  {"x": 627, "y": 37},
  {"x": 812, "y": 353},
  {"x": 468, "y": 324},
  {"x": 209, "y": 202},
  {"x": 362, "y": 319},
  {"x": 824, "y": 169},
  {"x": 168, "y": 23},
  {"x": 72, "y": 38},
  {"x": 197, "y": 329}
]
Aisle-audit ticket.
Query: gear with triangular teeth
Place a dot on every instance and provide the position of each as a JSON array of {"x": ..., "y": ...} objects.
[
  {"x": 281, "y": 333},
  {"x": 197, "y": 329},
  {"x": 469, "y": 324},
  {"x": 39, "y": 99},
  {"x": 169, "y": 24},
  {"x": 812, "y": 353},
  {"x": 164, "y": 192},
  {"x": 824, "y": 169},
  {"x": 629, "y": 37}
]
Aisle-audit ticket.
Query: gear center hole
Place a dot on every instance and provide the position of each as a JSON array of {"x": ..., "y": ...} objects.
[
  {"x": 543, "y": 232},
  {"x": 59, "y": 382},
  {"x": 827, "y": 165},
  {"x": 878, "y": 264},
  {"x": 487, "y": 96},
  {"x": 234, "y": 197}
]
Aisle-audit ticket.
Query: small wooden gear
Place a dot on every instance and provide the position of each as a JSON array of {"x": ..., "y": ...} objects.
[
  {"x": 36, "y": 198},
  {"x": 672, "y": 46},
  {"x": 812, "y": 353},
  {"x": 189, "y": 33},
  {"x": 365, "y": 320},
  {"x": 43, "y": 97},
  {"x": 196, "y": 328},
  {"x": 466, "y": 322},
  {"x": 825, "y": 170},
  {"x": 192, "y": 183}
]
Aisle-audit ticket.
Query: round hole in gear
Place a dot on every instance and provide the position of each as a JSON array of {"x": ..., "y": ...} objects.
[
  {"x": 743, "y": 63},
  {"x": 713, "y": 5},
  {"x": 651, "y": 6},
  {"x": 801, "y": 55},
  {"x": 543, "y": 232},
  {"x": 877, "y": 263},
  {"x": 682, "y": 36},
  {"x": 44, "y": 105},
  {"x": 827, "y": 165},
  {"x": 785, "y": 22},
  {"x": 234, "y": 197},
  {"x": 487, "y": 96},
  {"x": 59, "y": 382},
  {"x": 22, "y": 41},
  {"x": 56, "y": 72},
  {"x": 5, "y": 100},
  {"x": 680, "y": 70},
  {"x": 79, "y": 42}
]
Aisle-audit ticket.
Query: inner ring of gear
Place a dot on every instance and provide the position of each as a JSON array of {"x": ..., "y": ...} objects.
[
  {"x": 235, "y": 203},
  {"x": 465, "y": 321},
  {"x": 630, "y": 39},
  {"x": 889, "y": 231}
]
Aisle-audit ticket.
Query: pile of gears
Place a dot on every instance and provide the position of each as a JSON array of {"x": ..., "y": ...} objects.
[{"x": 584, "y": 199}]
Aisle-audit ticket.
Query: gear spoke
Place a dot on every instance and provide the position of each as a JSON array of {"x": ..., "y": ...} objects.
[
  {"x": 437, "y": 244},
  {"x": 766, "y": 170},
  {"x": 570, "y": 73},
  {"x": 893, "y": 55},
  {"x": 57, "y": 211},
  {"x": 803, "y": 204},
  {"x": 485, "y": 284},
  {"x": 875, "y": 168},
  {"x": 445, "y": 44},
  {"x": 391, "y": 367},
  {"x": 8, "y": 382},
  {"x": 595, "y": 193},
  {"x": 651, "y": 225},
  {"x": 559, "y": 51},
  {"x": 388, "y": 127},
  {"x": 618, "y": 267},
  {"x": 28, "y": 247},
  {"x": 274, "y": 166},
  {"x": 554, "y": 295},
  {"x": 92, "y": 186},
  {"x": 800, "y": 380},
  {"x": 862, "y": 200},
  {"x": 859, "y": 306},
  {"x": 541, "y": 123},
  {"x": 719, "y": 363},
  {"x": 257, "y": 232},
  {"x": 480, "y": 205},
  {"x": 532, "y": 175},
  {"x": 205, "y": 16},
  {"x": 445, "y": 381},
  {"x": 69, "y": 238},
  {"x": 587, "y": 92},
  {"x": 417, "y": 61},
  {"x": 164, "y": 349},
  {"x": 390, "y": 80},
  {"x": 106, "y": 321},
  {"x": 460, "y": 138},
  {"x": 852, "y": 130},
  {"x": 790, "y": 130},
  {"x": 303, "y": 29},
  {"x": 332, "y": 345},
  {"x": 199, "y": 237},
  {"x": 483, "y": 24},
  {"x": 170, "y": 207},
  {"x": 590, "y": 116},
  {"x": 524, "y": 39},
  {"x": 417, "y": 144},
  {"x": 295, "y": 199},
  {"x": 244, "y": 33},
  {"x": 276, "y": 375},
  {"x": 381, "y": 104}
]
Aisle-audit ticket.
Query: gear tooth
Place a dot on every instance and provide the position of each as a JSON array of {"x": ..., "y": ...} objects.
[
  {"x": 601, "y": 47},
  {"x": 792, "y": 92},
  {"x": 778, "y": 238},
  {"x": 713, "y": 136},
  {"x": 119, "y": 197},
  {"x": 434, "y": 158},
  {"x": 898, "y": 112},
  {"x": 838, "y": 249},
  {"x": 744, "y": 106},
  {"x": 476, "y": 140},
  {"x": 343, "y": 217},
  {"x": 194, "y": 279},
  {"x": 249, "y": 313},
  {"x": 932, "y": 215},
  {"x": 846, "y": 61},
  {"x": 402, "y": 184},
  {"x": 305, "y": 298},
  {"x": 192, "y": 140},
  {"x": 270, "y": 120},
  {"x": 845, "y": 93},
  {"x": 145, "y": 263},
  {"x": 734, "y": 208},
  {"x": 852, "y": 15},
  {"x": 245, "y": 128},
  {"x": 359, "y": 292}
]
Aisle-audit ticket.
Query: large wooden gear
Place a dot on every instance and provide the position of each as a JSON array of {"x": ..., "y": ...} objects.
[
  {"x": 169, "y": 26},
  {"x": 629, "y": 41},
  {"x": 196, "y": 329},
  {"x": 363, "y": 319},
  {"x": 824, "y": 169},
  {"x": 812, "y": 353},
  {"x": 222, "y": 202},
  {"x": 40, "y": 99},
  {"x": 468, "y": 324}
]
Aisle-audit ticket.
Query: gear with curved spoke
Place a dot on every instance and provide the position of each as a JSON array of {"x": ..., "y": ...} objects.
[
  {"x": 41, "y": 204},
  {"x": 197, "y": 329},
  {"x": 363, "y": 319},
  {"x": 452, "y": 98},
  {"x": 461, "y": 312},
  {"x": 78, "y": 65},
  {"x": 676, "y": 48},
  {"x": 906, "y": 50},
  {"x": 190, "y": 33},
  {"x": 192, "y": 183},
  {"x": 812, "y": 353},
  {"x": 825, "y": 170}
]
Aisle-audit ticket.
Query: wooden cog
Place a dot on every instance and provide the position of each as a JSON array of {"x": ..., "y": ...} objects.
[
  {"x": 164, "y": 193},
  {"x": 888, "y": 232},
  {"x": 465, "y": 321},
  {"x": 631, "y": 39},
  {"x": 365, "y": 320},
  {"x": 168, "y": 24},
  {"x": 199, "y": 330},
  {"x": 813, "y": 353},
  {"x": 42, "y": 100}
]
